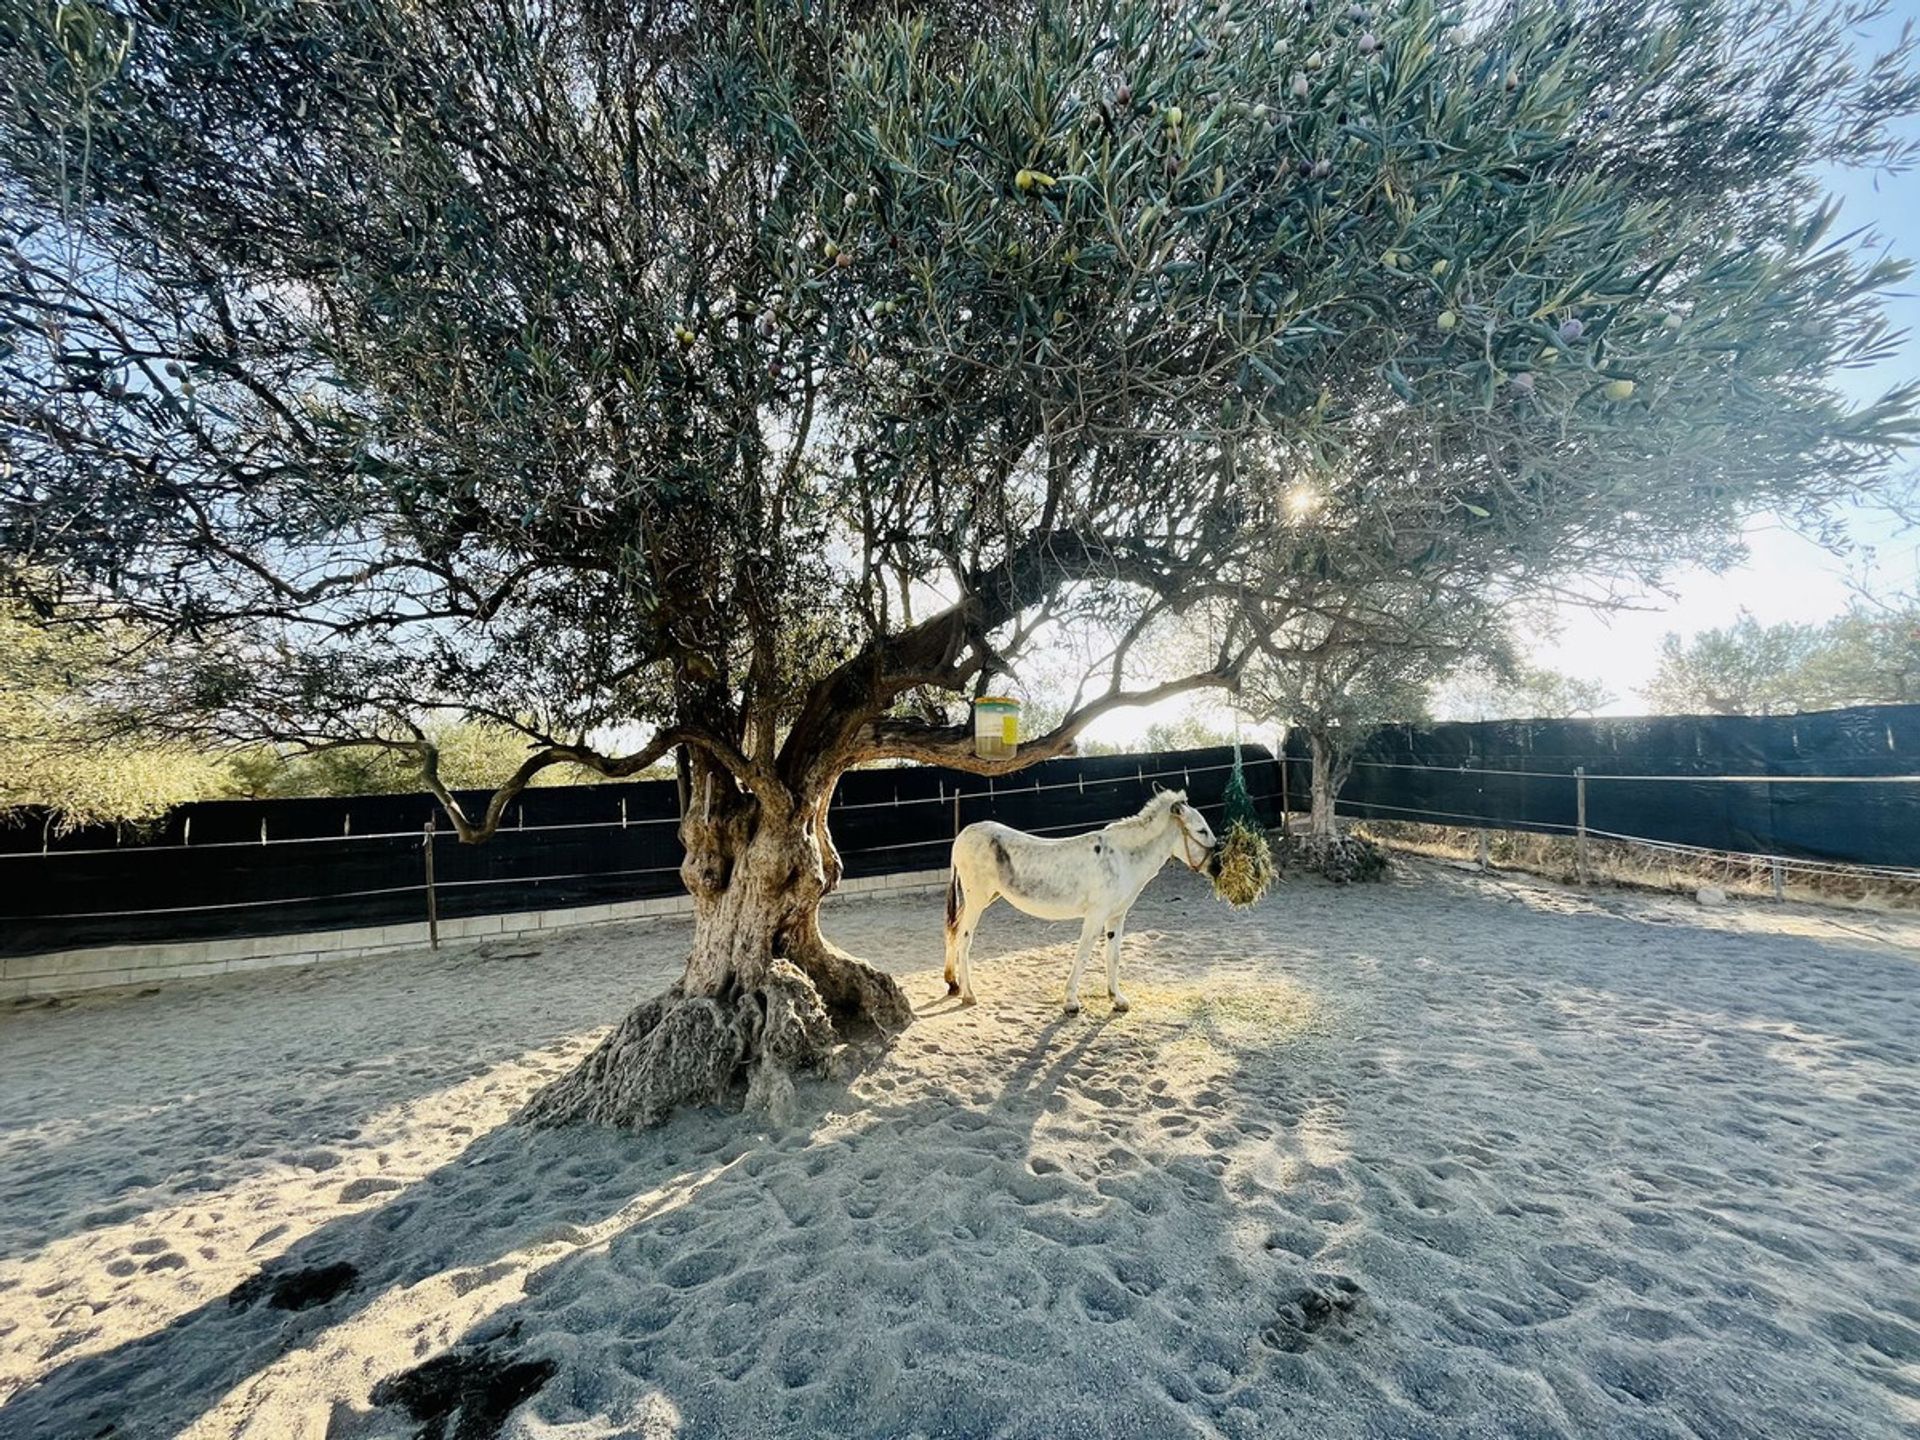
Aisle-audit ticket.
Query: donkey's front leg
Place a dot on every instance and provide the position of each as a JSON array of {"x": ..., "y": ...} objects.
[
  {"x": 1115, "y": 926},
  {"x": 1089, "y": 933}
]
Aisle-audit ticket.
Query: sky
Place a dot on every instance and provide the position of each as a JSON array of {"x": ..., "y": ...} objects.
[{"x": 1785, "y": 576}]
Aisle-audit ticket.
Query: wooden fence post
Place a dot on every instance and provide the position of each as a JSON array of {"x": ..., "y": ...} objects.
[
  {"x": 1580, "y": 819},
  {"x": 433, "y": 899}
]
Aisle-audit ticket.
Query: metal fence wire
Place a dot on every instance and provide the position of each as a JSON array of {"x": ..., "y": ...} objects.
[
  {"x": 1838, "y": 790},
  {"x": 226, "y": 869},
  {"x": 1753, "y": 791}
]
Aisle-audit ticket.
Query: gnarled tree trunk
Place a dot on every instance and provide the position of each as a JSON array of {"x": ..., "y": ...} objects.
[
  {"x": 764, "y": 996},
  {"x": 1325, "y": 786},
  {"x": 1339, "y": 857}
]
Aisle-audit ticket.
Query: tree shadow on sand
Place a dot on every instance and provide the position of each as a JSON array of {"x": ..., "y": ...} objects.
[
  {"x": 921, "y": 1254},
  {"x": 1376, "y": 1181},
  {"x": 228, "y": 1079}
]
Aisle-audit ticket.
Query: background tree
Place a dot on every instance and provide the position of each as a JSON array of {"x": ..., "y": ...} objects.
[
  {"x": 1189, "y": 732},
  {"x": 755, "y": 384},
  {"x": 1868, "y": 656},
  {"x": 473, "y": 755},
  {"x": 51, "y": 760},
  {"x": 1340, "y": 676},
  {"x": 1511, "y": 690},
  {"x": 1744, "y": 669}
]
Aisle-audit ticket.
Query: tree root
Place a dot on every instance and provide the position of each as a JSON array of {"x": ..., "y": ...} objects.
[
  {"x": 854, "y": 992},
  {"x": 1343, "y": 858},
  {"x": 674, "y": 1050},
  {"x": 680, "y": 1049}
]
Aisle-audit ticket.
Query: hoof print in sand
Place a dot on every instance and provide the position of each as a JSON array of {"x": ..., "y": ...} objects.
[
  {"x": 1330, "y": 1302},
  {"x": 464, "y": 1396},
  {"x": 294, "y": 1289}
]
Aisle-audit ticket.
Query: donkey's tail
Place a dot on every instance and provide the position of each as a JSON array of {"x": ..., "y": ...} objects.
[{"x": 953, "y": 900}]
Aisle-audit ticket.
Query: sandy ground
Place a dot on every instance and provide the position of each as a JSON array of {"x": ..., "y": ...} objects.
[{"x": 1457, "y": 1155}]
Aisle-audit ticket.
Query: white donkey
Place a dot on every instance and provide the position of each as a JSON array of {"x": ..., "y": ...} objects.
[{"x": 1096, "y": 876}]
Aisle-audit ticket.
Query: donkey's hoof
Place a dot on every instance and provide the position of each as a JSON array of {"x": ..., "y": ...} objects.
[
  {"x": 1072, "y": 1007},
  {"x": 1121, "y": 1004},
  {"x": 953, "y": 987},
  {"x": 969, "y": 999}
]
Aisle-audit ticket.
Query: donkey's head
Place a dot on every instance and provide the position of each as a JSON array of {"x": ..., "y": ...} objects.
[{"x": 1193, "y": 839}]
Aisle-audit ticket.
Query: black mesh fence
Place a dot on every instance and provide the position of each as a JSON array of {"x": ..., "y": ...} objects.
[
  {"x": 268, "y": 867},
  {"x": 1837, "y": 785}
]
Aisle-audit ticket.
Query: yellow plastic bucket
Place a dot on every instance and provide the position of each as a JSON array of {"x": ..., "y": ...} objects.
[{"x": 996, "y": 726}]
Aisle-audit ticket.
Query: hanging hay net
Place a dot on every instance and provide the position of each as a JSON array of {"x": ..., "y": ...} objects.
[
  {"x": 1239, "y": 804},
  {"x": 1243, "y": 865}
]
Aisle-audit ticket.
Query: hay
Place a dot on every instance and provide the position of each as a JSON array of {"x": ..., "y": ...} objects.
[{"x": 1244, "y": 868}]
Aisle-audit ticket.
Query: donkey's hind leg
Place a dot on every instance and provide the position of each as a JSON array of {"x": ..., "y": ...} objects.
[
  {"x": 1089, "y": 933},
  {"x": 1116, "y": 925},
  {"x": 960, "y": 950}
]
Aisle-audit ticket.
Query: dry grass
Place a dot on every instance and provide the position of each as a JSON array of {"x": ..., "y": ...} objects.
[
  {"x": 1209, "y": 1027},
  {"x": 1645, "y": 867}
]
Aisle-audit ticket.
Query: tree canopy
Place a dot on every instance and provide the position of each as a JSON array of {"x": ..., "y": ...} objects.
[
  {"x": 515, "y": 362},
  {"x": 46, "y": 762}
]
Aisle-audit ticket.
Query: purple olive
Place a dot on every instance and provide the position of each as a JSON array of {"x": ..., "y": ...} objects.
[
  {"x": 1123, "y": 97},
  {"x": 1356, "y": 13},
  {"x": 1571, "y": 330},
  {"x": 1368, "y": 43},
  {"x": 1522, "y": 383},
  {"x": 1322, "y": 169}
]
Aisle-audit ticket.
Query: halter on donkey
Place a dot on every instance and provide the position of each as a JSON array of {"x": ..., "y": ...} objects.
[{"x": 1096, "y": 876}]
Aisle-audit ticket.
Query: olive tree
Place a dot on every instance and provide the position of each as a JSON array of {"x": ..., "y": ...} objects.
[
  {"x": 752, "y": 384},
  {"x": 48, "y": 776},
  {"x": 1344, "y": 675}
]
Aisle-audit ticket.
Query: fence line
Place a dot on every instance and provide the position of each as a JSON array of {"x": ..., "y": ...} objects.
[
  {"x": 350, "y": 894},
  {"x": 496, "y": 879},
  {"x": 1496, "y": 822},
  {"x": 1184, "y": 771},
  {"x": 990, "y": 793},
  {"x": 1791, "y": 862},
  {"x": 1592, "y": 775}
]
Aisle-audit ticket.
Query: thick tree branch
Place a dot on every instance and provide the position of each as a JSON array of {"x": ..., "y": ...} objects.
[{"x": 952, "y": 745}]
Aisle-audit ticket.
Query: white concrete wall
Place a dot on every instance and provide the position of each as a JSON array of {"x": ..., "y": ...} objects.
[{"x": 67, "y": 972}]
